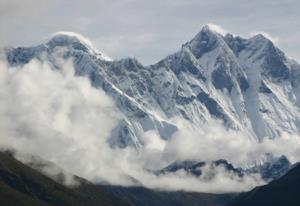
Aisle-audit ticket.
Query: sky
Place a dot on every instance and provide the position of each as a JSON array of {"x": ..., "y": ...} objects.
[{"x": 147, "y": 30}]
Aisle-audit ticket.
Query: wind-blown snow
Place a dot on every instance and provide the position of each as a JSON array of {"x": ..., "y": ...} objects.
[{"x": 72, "y": 36}]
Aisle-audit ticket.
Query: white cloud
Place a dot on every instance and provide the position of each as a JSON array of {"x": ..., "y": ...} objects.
[
  {"x": 61, "y": 118},
  {"x": 215, "y": 180},
  {"x": 57, "y": 116},
  {"x": 153, "y": 141},
  {"x": 212, "y": 142}
]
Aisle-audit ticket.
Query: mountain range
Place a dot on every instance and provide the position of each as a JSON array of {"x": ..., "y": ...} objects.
[{"x": 248, "y": 84}]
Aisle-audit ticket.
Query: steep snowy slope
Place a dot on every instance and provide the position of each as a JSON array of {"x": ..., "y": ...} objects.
[
  {"x": 271, "y": 100},
  {"x": 249, "y": 84}
]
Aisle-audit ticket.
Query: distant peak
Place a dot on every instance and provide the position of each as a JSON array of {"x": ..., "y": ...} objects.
[
  {"x": 206, "y": 40},
  {"x": 73, "y": 37},
  {"x": 210, "y": 31},
  {"x": 214, "y": 28},
  {"x": 259, "y": 37},
  {"x": 206, "y": 28},
  {"x": 229, "y": 36},
  {"x": 264, "y": 36},
  {"x": 206, "y": 32},
  {"x": 77, "y": 41}
]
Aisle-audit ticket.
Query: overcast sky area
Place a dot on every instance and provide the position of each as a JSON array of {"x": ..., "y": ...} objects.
[{"x": 147, "y": 30}]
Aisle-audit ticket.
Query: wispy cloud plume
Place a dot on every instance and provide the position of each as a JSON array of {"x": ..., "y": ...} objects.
[{"x": 217, "y": 28}]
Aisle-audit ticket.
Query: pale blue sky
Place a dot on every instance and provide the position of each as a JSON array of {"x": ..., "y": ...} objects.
[{"x": 148, "y": 30}]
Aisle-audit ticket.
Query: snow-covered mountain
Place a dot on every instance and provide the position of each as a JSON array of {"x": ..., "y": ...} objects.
[
  {"x": 271, "y": 168},
  {"x": 249, "y": 84}
]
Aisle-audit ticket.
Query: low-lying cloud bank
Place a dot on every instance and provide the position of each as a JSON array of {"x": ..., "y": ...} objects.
[
  {"x": 61, "y": 118},
  {"x": 213, "y": 142}
]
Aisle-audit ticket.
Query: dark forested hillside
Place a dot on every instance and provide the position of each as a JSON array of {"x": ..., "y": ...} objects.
[
  {"x": 24, "y": 186},
  {"x": 142, "y": 196},
  {"x": 282, "y": 192}
]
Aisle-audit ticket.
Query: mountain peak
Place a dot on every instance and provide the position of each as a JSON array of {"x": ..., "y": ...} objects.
[
  {"x": 67, "y": 38},
  {"x": 214, "y": 28},
  {"x": 206, "y": 40},
  {"x": 210, "y": 31},
  {"x": 260, "y": 38},
  {"x": 74, "y": 40},
  {"x": 207, "y": 28}
]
